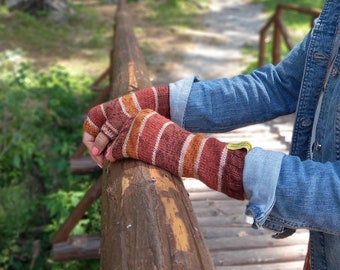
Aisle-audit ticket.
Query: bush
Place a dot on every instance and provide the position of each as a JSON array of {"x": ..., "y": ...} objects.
[{"x": 41, "y": 115}]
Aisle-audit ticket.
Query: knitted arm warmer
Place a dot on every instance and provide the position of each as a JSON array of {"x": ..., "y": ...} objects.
[{"x": 156, "y": 140}]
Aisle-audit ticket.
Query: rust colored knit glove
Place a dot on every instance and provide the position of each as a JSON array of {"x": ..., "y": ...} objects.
[
  {"x": 109, "y": 117},
  {"x": 156, "y": 140}
]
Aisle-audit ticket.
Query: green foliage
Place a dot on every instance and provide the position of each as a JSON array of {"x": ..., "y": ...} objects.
[
  {"x": 41, "y": 114},
  {"x": 297, "y": 24},
  {"x": 39, "y": 111},
  {"x": 270, "y": 5},
  {"x": 175, "y": 13},
  {"x": 40, "y": 120},
  {"x": 61, "y": 203},
  {"x": 83, "y": 36},
  {"x": 16, "y": 218}
]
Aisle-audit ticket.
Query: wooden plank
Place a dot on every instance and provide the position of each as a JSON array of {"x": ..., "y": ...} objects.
[
  {"x": 295, "y": 265},
  {"x": 222, "y": 204},
  {"x": 225, "y": 220},
  {"x": 77, "y": 248},
  {"x": 211, "y": 204},
  {"x": 83, "y": 165},
  {"x": 230, "y": 239},
  {"x": 306, "y": 10},
  {"x": 254, "y": 241},
  {"x": 260, "y": 256},
  {"x": 211, "y": 211},
  {"x": 218, "y": 232},
  {"x": 207, "y": 195}
]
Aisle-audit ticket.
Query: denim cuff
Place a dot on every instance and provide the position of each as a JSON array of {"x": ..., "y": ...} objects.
[
  {"x": 260, "y": 178},
  {"x": 179, "y": 94}
]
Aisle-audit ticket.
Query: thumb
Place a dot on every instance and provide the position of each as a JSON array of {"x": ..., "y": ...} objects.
[
  {"x": 118, "y": 148},
  {"x": 100, "y": 143}
]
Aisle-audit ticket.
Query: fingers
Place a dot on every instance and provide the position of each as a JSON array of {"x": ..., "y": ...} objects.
[
  {"x": 88, "y": 140},
  {"x": 99, "y": 160},
  {"x": 90, "y": 143},
  {"x": 117, "y": 149},
  {"x": 100, "y": 143},
  {"x": 95, "y": 119},
  {"x": 105, "y": 144},
  {"x": 108, "y": 154}
]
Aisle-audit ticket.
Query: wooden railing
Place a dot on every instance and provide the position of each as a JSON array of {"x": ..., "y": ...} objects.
[
  {"x": 147, "y": 217},
  {"x": 280, "y": 30}
]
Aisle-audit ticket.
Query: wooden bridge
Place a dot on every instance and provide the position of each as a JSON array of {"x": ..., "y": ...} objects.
[
  {"x": 150, "y": 219},
  {"x": 232, "y": 243}
]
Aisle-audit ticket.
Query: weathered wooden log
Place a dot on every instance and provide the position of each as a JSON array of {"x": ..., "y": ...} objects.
[
  {"x": 147, "y": 218},
  {"x": 77, "y": 248},
  {"x": 276, "y": 51},
  {"x": 83, "y": 165},
  {"x": 148, "y": 221},
  {"x": 315, "y": 12}
]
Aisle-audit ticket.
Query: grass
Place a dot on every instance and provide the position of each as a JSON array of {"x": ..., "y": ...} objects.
[
  {"x": 82, "y": 43},
  {"x": 297, "y": 23},
  {"x": 84, "y": 37},
  {"x": 270, "y": 5},
  {"x": 179, "y": 14}
]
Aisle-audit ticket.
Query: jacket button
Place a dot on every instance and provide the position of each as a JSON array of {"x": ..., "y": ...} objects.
[
  {"x": 316, "y": 146},
  {"x": 306, "y": 122}
]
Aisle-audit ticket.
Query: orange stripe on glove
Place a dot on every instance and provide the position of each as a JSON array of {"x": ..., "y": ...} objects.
[{"x": 156, "y": 140}]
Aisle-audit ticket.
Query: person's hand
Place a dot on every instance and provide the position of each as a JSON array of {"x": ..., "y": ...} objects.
[
  {"x": 88, "y": 141},
  {"x": 156, "y": 140},
  {"x": 104, "y": 121}
]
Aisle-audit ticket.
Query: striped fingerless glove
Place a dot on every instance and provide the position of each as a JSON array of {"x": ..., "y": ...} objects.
[
  {"x": 110, "y": 116},
  {"x": 156, "y": 140}
]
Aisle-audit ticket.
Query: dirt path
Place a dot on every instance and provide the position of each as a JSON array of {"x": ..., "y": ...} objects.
[
  {"x": 237, "y": 24},
  {"x": 216, "y": 50}
]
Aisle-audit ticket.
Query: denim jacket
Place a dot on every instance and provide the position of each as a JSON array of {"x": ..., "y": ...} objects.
[{"x": 285, "y": 192}]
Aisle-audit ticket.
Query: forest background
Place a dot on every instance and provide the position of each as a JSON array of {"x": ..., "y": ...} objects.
[{"x": 46, "y": 69}]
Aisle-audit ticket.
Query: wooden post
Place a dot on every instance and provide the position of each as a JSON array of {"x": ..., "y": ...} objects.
[
  {"x": 147, "y": 218},
  {"x": 77, "y": 247},
  {"x": 276, "y": 37},
  {"x": 262, "y": 43}
]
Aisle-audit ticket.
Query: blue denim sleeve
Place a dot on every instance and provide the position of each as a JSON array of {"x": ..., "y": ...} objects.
[
  {"x": 286, "y": 192},
  {"x": 260, "y": 178},
  {"x": 224, "y": 104},
  {"x": 179, "y": 94},
  {"x": 308, "y": 195}
]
